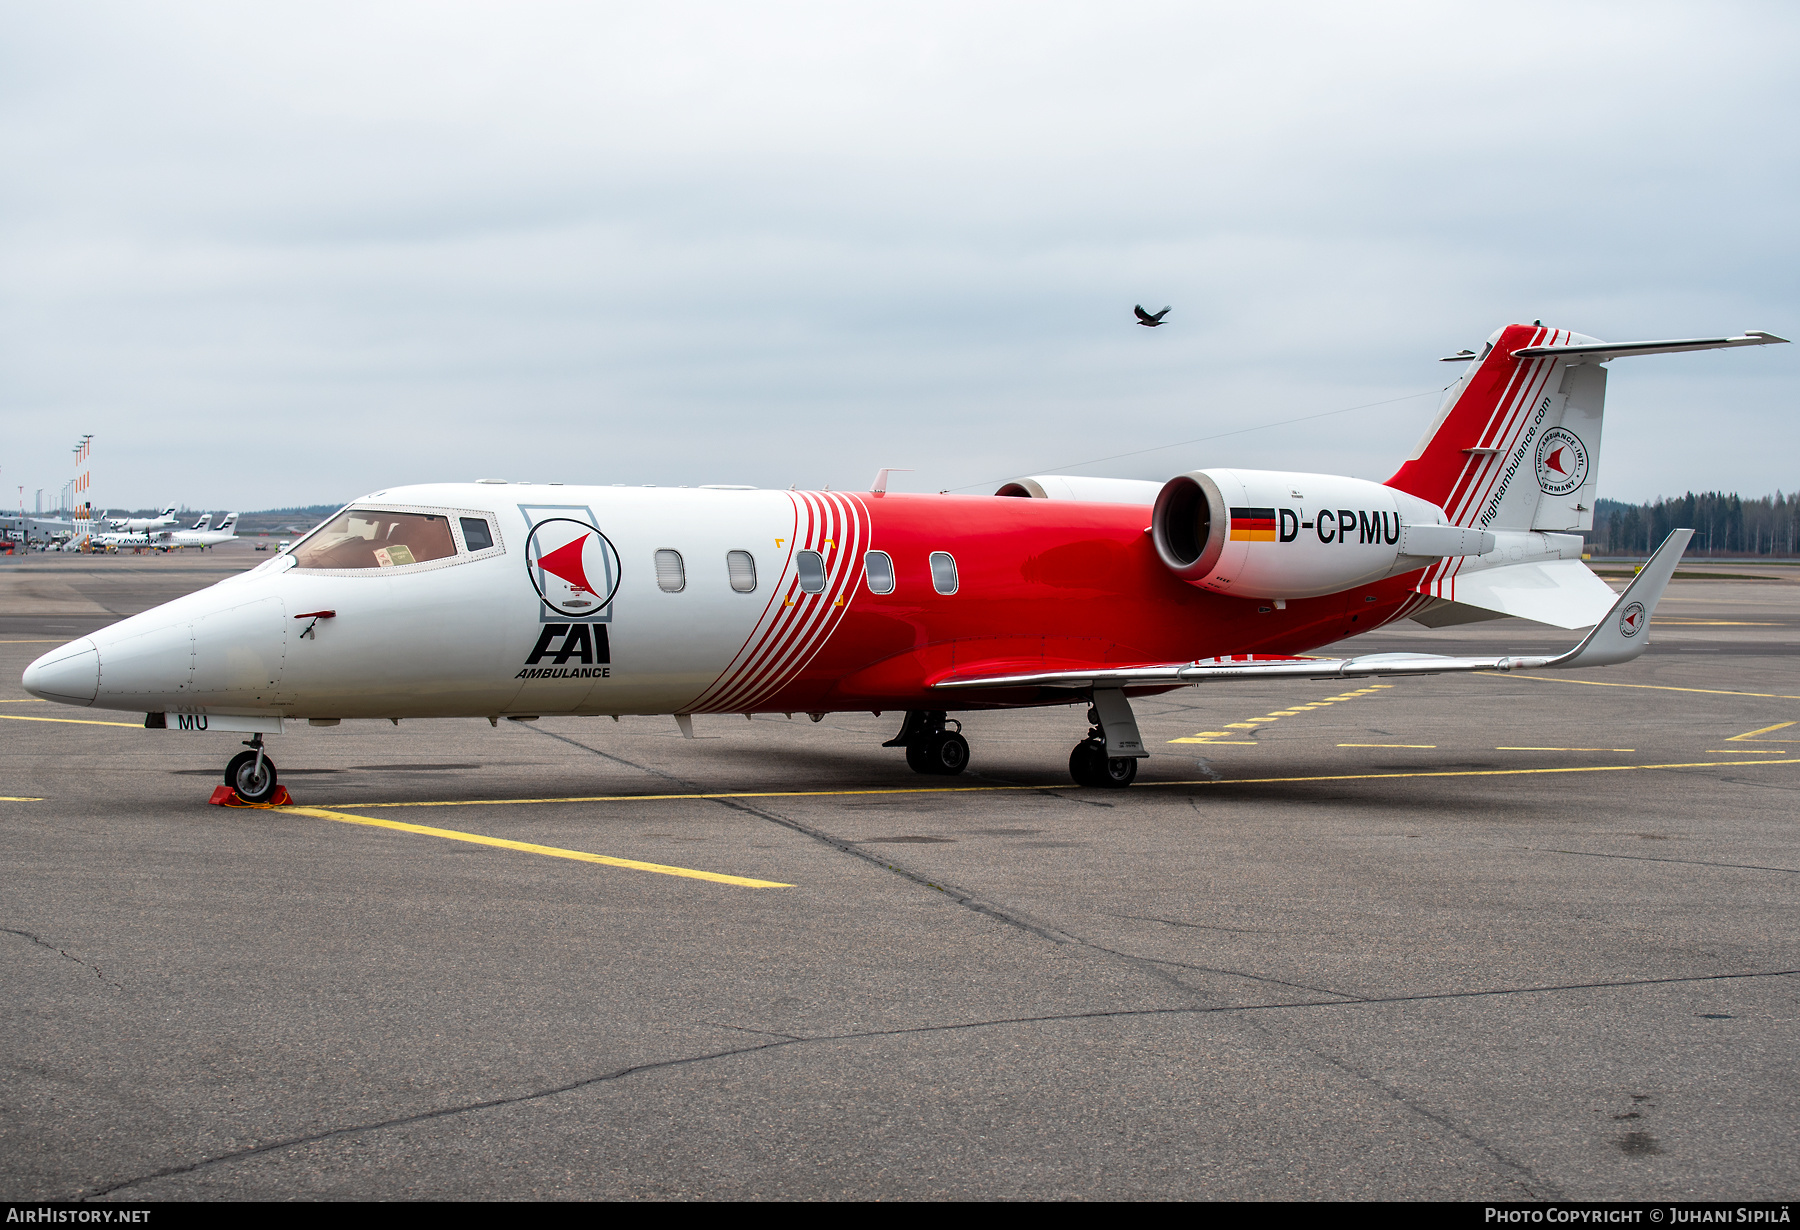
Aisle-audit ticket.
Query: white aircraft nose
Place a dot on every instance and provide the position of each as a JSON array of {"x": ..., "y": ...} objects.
[{"x": 70, "y": 674}]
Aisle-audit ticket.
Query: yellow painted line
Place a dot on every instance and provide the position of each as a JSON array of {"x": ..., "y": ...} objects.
[
  {"x": 1228, "y": 781},
  {"x": 1208, "y": 736},
  {"x": 1221, "y": 742},
  {"x": 582, "y": 856},
  {"x": 739, "y": 794},
  {"x": 1714, "y": 623},
  {"x": 20, "y": 717},
  {"x": 1357, "y": 777},
  {"x": 8, "y": 798},
  {"x": 1567, "y": 749},
  {"x": 1654, "y": 687},
  {"x": 1422, "y": 745},
  {"x": 28, "y": 701},
  {"x": 1742, "y": 751},
  {"x": 1751, "y": 734}
]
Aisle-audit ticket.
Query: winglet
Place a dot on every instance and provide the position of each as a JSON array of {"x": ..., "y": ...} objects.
[{"x": 1622, "y": 635}]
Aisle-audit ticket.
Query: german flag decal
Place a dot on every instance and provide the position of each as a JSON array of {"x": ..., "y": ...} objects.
[{"x": 1253, "y": 525}]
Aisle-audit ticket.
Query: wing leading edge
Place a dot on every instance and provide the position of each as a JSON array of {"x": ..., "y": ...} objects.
[{"x": 1619, "y": 637}]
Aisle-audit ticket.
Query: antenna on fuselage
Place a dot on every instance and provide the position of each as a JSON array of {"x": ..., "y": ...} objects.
[{"x": 879, "y": 486}]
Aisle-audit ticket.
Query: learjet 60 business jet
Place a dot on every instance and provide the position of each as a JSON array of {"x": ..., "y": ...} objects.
[{"x": 515, "y": 600}]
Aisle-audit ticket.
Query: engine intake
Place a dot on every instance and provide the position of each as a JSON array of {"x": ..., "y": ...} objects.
[
  {"x": 1190, "y": 523},
  {"x": 1271, "y": 534}
]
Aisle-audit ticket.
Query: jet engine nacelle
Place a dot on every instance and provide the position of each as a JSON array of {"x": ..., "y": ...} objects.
[{"x": 1270, "y": 534}]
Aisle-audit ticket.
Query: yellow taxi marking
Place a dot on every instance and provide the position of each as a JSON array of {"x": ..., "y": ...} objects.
[
  {"x": 1742, "y": 751},
  {"x": 1275, "y": 715},
  {"x": 20, "y": 717},
  {"x": 1422, "y": 745},
  {"x": 1714, "y": 623},
  {"x": 1566, "y": 749},
  {"x": 1653, "y": 687},
  {"x": 1751, "y": 734},
  {"x": 582, "y": 856},
  {"x": 1358, "y": 777},
  {"x": 12, "y": 798},
  {"x": 30, "y": 701},
  {"x": 1228, "y": 781}
]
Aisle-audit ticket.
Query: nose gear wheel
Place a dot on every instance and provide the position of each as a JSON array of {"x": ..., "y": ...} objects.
[
  {"x": 253, "y": 785},
  {"x": 252, "y": 774}
]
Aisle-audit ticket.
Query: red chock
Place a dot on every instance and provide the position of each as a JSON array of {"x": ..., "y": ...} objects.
[{"x": 225, "y": 796}]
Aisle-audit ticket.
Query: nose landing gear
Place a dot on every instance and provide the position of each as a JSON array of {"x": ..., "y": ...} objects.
[
  {"x": 252, "y": 773},
  {"x": 930, "y": 746}
]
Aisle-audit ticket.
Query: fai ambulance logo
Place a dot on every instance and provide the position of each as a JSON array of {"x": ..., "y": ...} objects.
[
  {"x": 1562, "y": 462},
  {"x": 1631, "y": 619},
  {"x": 573, "y": 566}
]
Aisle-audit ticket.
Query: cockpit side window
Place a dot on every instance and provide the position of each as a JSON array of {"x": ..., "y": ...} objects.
[
  {"x": 476, "y": 534},
  {"x": 372, "y": 538}
]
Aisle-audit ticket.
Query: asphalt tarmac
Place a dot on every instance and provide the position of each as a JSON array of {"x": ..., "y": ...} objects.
[{"x": 1480, "y": 937}]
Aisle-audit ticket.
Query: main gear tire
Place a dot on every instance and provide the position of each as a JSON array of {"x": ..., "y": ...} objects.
[
  {"x": 252, "y": 783},
  {"x": 945, "y": 753},
  {"x": 1089, "y": 765}
]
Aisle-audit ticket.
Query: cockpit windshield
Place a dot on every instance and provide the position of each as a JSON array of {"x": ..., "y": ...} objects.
[{"x": 370, "y": 538}]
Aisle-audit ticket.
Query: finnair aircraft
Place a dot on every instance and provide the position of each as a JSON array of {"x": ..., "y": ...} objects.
[
  {"x": 201, "y": 536},
  {"x": 139, "y": 525},
  {"x": 169, "y": 540},
  {"x": 514, "y": 600}
]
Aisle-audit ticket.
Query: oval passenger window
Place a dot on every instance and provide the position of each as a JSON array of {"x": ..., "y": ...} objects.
[
  {"x": 878, "y": 567},
  {"x": 943, "y": 572},
  {"x": 811, "y": 567},
  {"x": 741, "y": 566},
  {"x": 671, "y": 576}
]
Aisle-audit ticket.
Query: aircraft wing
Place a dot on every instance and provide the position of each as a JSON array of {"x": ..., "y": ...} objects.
[{"x": 1619, "y": 637}]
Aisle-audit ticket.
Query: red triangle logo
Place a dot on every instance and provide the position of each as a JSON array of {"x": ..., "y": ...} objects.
[
  {"x": 1555, "y": 461},
  {"x": 565, "y": 562},
  {"x": 1631, "y": 620}
]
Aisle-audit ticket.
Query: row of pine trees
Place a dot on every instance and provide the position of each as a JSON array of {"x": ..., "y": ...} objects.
[{"x": 1722, "y": 524}]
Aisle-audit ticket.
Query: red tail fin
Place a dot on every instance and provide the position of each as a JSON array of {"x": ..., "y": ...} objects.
[{"x": 1480, "y": 449}]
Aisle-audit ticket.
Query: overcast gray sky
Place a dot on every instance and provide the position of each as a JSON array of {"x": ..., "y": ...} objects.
[{"x": 281, "y": 255}]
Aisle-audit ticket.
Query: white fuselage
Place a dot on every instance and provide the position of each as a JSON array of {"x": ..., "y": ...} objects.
[
  {"x": 139, "y": 525},
  {"x": 456, "y": 636},
  {"x": 197, "y": 538}
]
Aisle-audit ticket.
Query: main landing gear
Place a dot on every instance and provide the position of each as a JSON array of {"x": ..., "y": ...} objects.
[
  {"x": 252, "y": 773},
  {"x": 1089, "y": 764},
  {"x": 930, "y": 747},
  {"x": 1108, "y": 757}
]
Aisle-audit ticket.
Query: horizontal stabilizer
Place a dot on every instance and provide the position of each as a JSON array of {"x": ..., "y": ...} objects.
[
  {"x": 1619, "y": 636},
  {"x": 1600, "y": 352}
]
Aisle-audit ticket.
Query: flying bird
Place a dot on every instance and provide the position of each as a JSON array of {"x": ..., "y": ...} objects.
[{"x": 1147, "y": 319}]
